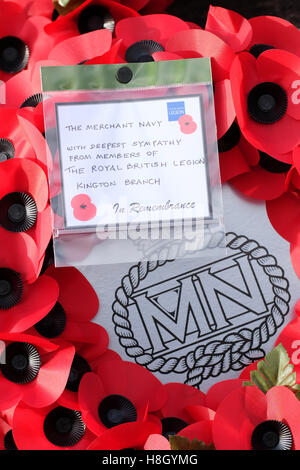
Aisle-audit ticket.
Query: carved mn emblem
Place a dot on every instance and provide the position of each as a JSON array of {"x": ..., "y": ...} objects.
[{"x": 206, "y": 321}]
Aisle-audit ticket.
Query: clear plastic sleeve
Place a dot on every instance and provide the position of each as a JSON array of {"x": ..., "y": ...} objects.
[{"x": 134, "y": 169}]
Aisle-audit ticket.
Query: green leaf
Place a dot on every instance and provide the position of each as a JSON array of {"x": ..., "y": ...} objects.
[
  {"x": 179, "y": 443},
  {"x": 183, "y": 443},
  {"x": 63, "y": 3},
  {"x": 275, "y": 369},
  {"x": 64, "y": 7}
]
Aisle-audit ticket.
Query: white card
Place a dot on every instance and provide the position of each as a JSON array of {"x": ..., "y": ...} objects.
[{"x": 133, "y": 162}]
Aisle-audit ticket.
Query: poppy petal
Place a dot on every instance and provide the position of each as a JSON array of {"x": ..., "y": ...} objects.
[
  {"x": 229, "y": 421},
  {"x": 157, "y": 442},
  {"x": 77, "y": 49},
  {"x": 10, "y": 394},
  {"x": 275, "y": 32},
  {"x": 260, "y": 184},
  {"x": 157, "y": 56},
  {"x": 282, "y": 67},
  {"x": 188, "y": 396},
  {"x": 225, "y": 112},
  {"x": 200, "y": 413},
  {"x": 76, "y": 294},
  {"x": 28, "y": 425},
  {"x": 90, "y": 394},
  {"x": 232, "y": 164},
  {"x": 125, "y": 436},
  {"x": 220, "y": 390},
  {"x": 51, "y": 379},
  {"x": 37, "y": 300},
  {"x": 284, "y": 406},
  {"x": 284, "y": 215},
  {"x": 21, "y": 254},
  {"x": 201, "y": 431},
  {"x": 20, "y": 175},
  {"x": 204, "y": 44},
  {"x": 230, "y": 26},
  {"x": 150, "y": 389},
  {"x": 158, "y": 28}
]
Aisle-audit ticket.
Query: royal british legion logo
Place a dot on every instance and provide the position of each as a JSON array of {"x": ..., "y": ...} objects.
[{"x": 175, "y": 110}]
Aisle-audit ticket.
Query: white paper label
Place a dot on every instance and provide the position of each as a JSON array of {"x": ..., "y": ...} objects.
[{"x": 133, "y": 162}]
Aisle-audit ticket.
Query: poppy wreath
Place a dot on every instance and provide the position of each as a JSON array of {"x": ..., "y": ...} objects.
[{"x": 60, "y": 385}]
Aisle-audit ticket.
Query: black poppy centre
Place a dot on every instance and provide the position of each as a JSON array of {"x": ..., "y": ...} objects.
[
  {"x": 116, "y": 409},
  {"x": 78, "y": 369},
  {"x": 142, "y": 51},
  {"x": 95, "y": 17},
  {"x": 7, "y": 150},
  {"x": 14, "y": 54},
  {"x": 53, "y": 324},
  {"x": 18, "y": 212},
  {"x": 22, "y": 363},
  {"x": 267, "y": 103},
  {"x": 171, "y": 426},
  {"x": 64, "y": 427},
  {"x": 272, "y": 435},
  {"x": 11, "y": 288}
]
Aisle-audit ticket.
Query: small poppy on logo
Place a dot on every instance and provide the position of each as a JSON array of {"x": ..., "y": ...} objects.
[
  {"x": 187, "y": 125},
  {"x": 83, "y": 208}
]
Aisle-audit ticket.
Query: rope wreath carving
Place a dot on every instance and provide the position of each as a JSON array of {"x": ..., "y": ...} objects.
[{"x": 235, "y": 350}]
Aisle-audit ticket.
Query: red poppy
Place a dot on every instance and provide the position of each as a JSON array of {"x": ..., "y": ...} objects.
[
  {"x": 91, "y": 15},
  {"x": 24, "y": 212},
  {"x": 125, "y": 436},
  {"x": 247, "y": 419},
  {"x": 76, "y": 304},
  {"x": 253, "y": 173},
  {"x": 176, "y": 411},
  {"x": 273, "y": 32},
  {"x": 263, "y": 99},
  {"x": 112, "y": 397},
  {"x": 230, "y": 26},
  {"x": 35, "y": 370},
  {"x": 51, "y": 428},
  {"x": 23, "y": 41}
]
